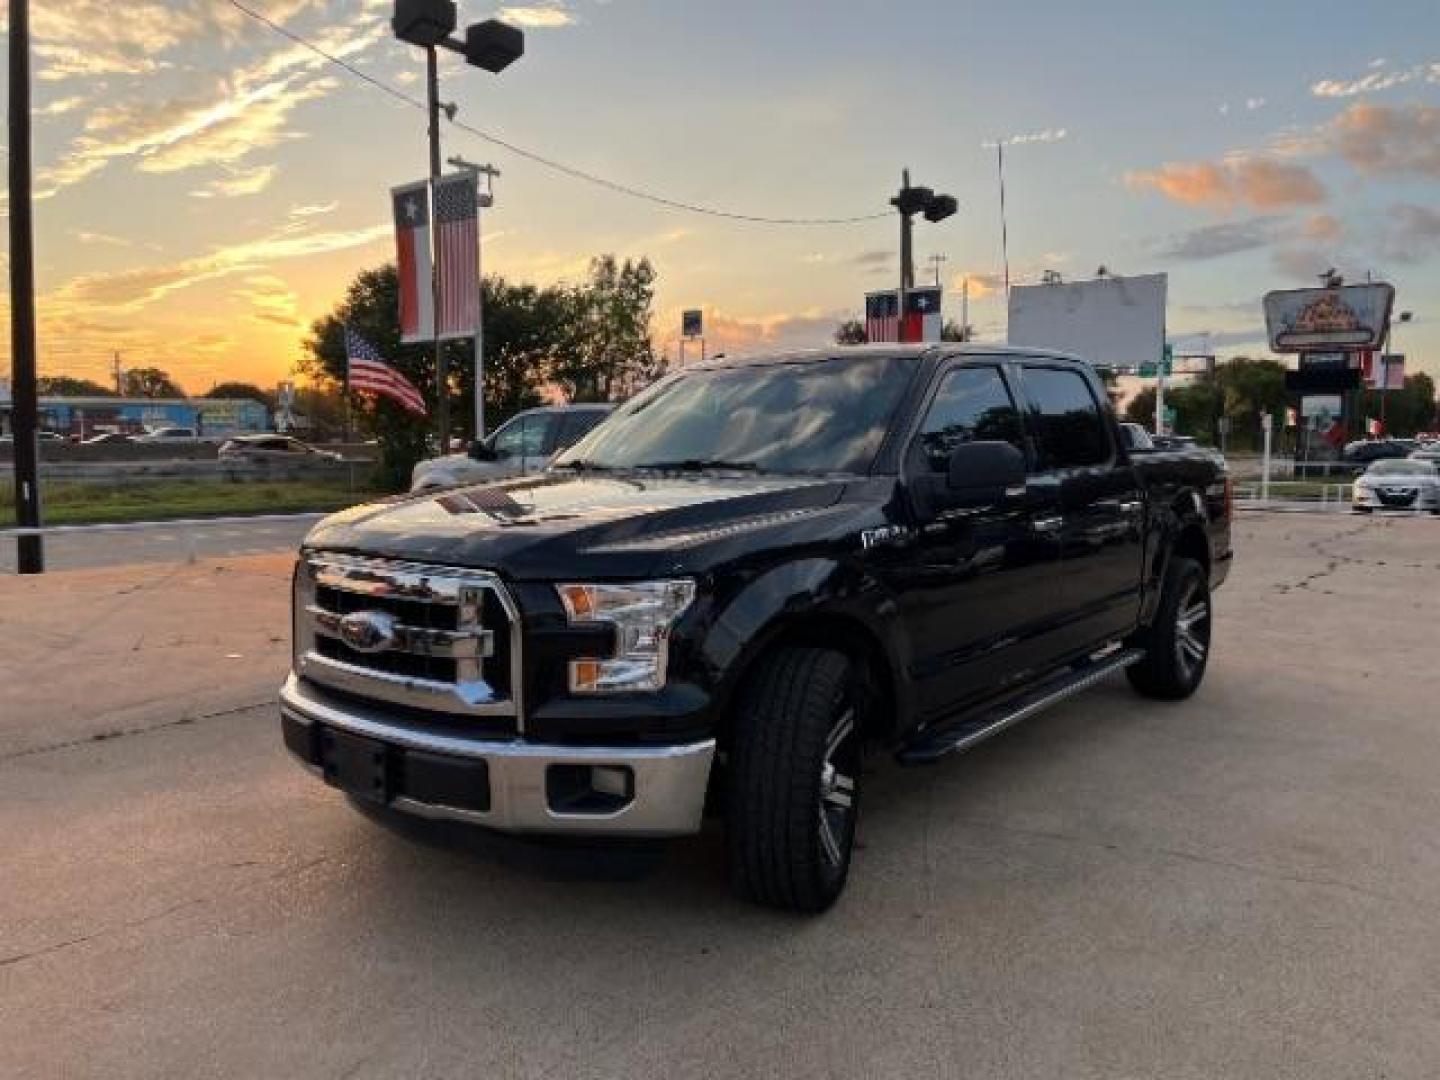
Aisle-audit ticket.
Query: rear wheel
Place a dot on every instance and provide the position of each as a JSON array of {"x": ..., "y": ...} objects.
[
  {"x": 794, "y": 780},
  {"x": 1177, "y": 644}
]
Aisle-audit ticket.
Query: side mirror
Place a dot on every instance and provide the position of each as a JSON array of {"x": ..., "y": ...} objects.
[
  {"x": 983, "y": 473},
  {"x": 481, "y": 450}
]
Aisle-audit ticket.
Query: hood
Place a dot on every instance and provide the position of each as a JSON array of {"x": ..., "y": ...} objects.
[{"x": 566, "y": 525}]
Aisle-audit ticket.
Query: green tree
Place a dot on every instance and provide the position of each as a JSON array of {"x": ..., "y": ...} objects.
[
  {"x": 953, "y": 331},
  {"x": 1405, "y": 411},
  {"x": 150, "y": 382},
  {"x": 851, "y": 332},
  {"x": 608, "y": 352},
  {"x": 1141, "y": 408},
  {"x": 588, "y": 343},
  {"x": 68, "y": 386},
  {"x": 242, "y": 391}
]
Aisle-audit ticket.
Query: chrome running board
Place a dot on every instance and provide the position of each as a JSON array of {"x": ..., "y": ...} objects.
[{"x": 954, "y": 738}]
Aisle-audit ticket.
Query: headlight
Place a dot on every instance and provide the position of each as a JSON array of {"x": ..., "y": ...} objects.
[
  {"x": 642, "y": 613},
  {"x": 302, "y": 595}
]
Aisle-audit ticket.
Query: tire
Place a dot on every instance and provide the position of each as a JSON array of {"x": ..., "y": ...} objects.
[
  {"x": 1177, "y": 643},
  {"x": 794, "y": 780}
]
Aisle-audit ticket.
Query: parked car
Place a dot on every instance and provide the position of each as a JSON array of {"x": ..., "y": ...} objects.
[
  {"x": 1397, "y": 484},
  {"x": 748, "y": 577},
  {"x": 1137, "y": 439},
  {"x": 523, "y": 444},
  {"x": 272, "y": 449},
  {"x": 1426, "y": 452},
  {"x": 40, "y": 437},
  {"x": 1364, "y": 451},
  {"x": 169, "y": 435},
  {"x": 1175, "y": 442}
]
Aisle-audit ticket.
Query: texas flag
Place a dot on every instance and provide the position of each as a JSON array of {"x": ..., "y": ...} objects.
[
  {"x": 921, "y": 320},
  {"x": 414, "y": 262}
]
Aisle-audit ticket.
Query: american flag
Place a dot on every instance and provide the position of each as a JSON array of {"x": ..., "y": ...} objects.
[
  {"x": 457, "y": 250},
  {"x": 369, "y": 372},
  {"x": 882, "y": 316}
]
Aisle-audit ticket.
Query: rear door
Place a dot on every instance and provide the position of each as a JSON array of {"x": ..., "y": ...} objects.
[{"x": 1101, "y": 506}]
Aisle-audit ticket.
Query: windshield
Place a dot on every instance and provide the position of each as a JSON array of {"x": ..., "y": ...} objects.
[
  {"x": 1401, "y": 467},
  {"x": 803, "y": 416}
]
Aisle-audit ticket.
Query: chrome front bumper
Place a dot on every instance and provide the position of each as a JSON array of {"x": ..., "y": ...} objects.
[{"x": 666, "y": 794}]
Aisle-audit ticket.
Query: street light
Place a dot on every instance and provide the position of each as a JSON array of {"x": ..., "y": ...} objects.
[
  {"x": 909, "y": 201},
  {"x": 492, "y": 46}
]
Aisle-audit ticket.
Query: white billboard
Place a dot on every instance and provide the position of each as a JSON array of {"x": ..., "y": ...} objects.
[{"x": 1111, "y": 321}]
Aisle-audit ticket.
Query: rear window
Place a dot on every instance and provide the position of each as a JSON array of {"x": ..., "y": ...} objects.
[{"x": 1069, "y": 423}]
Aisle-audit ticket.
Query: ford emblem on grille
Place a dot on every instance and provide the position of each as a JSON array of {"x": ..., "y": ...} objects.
[{"x": 368, "y": 631}]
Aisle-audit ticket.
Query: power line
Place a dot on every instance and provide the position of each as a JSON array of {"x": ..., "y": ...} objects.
[{"x": 540, "y": 159}]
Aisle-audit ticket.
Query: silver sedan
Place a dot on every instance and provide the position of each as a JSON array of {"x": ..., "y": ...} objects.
[{"x": 1398, "y": 484}]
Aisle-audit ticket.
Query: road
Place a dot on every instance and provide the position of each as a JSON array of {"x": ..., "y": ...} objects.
[
  {"x": 165, "y": 543},
  {"x": 1242, "y": 885}
]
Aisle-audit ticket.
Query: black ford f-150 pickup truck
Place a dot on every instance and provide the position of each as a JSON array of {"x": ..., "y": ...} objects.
[{"x": 750, "y": 575}]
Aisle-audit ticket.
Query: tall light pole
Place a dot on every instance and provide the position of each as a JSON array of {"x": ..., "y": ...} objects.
[
  {"x": 491, "y": 45},
  {"x": 30, "y": 552},
  {"x": 909, "y": 201}
]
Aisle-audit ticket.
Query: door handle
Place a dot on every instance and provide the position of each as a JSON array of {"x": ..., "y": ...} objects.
[{"x": 1048, "y": 524}]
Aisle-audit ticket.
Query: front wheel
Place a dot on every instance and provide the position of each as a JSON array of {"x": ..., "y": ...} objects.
[
  {"x": 794, "y": 783},
  {"x": 1177, "y": 643}
]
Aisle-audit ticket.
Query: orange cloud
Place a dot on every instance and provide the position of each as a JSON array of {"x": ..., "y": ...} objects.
[
  {"x": 1386, "y": 139},
  {"x": 1322, "y": 228},
  {"x": 981, "y": 285},
  {"x": 1256, "y": 182}
]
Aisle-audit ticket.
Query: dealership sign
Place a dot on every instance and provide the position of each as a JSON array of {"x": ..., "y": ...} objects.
[{"x": 1341, "y": 318}]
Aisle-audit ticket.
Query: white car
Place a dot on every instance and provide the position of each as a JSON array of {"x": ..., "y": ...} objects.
[
  {"x": 169, "y": 435},
  {"x": 523, "y": 444},
  {"x": 1398, "y": 484}
]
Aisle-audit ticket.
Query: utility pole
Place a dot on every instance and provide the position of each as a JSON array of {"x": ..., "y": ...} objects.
[
  {"x": 965, "y": 307},
  {"x": 30, "y": 553},
  {"x": 442, "y": 382},
  {"x": 118, "y": 375},
  {"x": 936, "y": 261},
  {"x": 1004, "y": 227}
]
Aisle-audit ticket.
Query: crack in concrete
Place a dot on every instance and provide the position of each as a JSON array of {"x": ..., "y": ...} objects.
[
  {"x": 125, "y": 733},
  {"x": 144, "y": 920},
  {"x": 1269, "y": 872}
]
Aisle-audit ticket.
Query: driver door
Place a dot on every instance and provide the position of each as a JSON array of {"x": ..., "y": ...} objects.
[{"x": 978, "y": 588}]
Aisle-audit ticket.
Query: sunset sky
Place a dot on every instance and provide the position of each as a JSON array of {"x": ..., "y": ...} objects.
[{"x": 208, "y": 187}]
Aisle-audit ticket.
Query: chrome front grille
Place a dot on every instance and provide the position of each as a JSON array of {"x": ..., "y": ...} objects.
[{"x": 435, "y": 638}]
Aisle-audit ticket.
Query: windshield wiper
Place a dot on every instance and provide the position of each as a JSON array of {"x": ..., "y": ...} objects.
[
  {"x": 699, "y": 465},
  {"x": 584, "y": 466}
]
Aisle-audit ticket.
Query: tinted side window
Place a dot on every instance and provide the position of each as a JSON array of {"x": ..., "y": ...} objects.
[
  {"x": 577, "y": 424},
  {"x": 1070, "y": 427},
  {"x": 523, "y": 436},
  {"x": 972, "y": 405}
]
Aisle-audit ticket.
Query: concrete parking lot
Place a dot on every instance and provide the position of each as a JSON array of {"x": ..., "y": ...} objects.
[{"x": 1242, "y": 885}]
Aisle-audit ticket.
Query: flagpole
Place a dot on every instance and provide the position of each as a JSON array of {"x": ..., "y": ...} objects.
[{"x": 345, "y": 383}]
